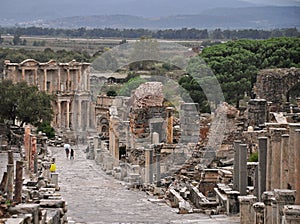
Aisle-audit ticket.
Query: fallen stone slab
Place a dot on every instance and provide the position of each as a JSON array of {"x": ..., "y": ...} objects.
[
  {"x": 45, "y": 203},
  {"x": 32, "y": 209}
]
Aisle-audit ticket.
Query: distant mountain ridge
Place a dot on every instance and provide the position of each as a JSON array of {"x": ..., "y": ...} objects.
[{"x": 227, "y": 18}]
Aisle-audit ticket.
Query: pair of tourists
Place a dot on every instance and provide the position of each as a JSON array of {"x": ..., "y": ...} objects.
[{"x": 69, "y": 151}]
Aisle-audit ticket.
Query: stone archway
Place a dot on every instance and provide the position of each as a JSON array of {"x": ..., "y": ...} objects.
[{"x": 274, "y": 84}]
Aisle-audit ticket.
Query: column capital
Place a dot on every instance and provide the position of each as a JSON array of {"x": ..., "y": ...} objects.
[
  {"x": 285, "y": 196},
  {"x": 259, "y": 207},
  {"x": 247, "y": 199},
  {"x": 267, "y": 197}
]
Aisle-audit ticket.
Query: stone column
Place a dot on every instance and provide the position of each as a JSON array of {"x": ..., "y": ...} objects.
[
  {"x": 68, "y": 115},
  {"x": 274, "y": 211},
  {"x": 284, "y": 158},
  {"x": 79, "y": 114},
  {"x": 236, "y": 165},
  {"x": 275, "y": 146},
  {"x": 155, "y": 138},
  {"x": 68, "y": 80},
  {"x": 10, "y": 182},
  {"x": 292, "y": 147},
  {"x": 283, "y": 197},
  {"x": 243, "y": 169},
  {"x": 148, "y": 166},
  {"x": 262, "y": 165},
  {"x": 27, "y": 142},
  {"x": 297, "y": 166},
  {"x": 35, "y": 82},
  {"x": 10, "y": 157},
  {"x": 45, "y": 80},
  {"x": 58, "y": 114},
  {"x": 291, "y": 214},
  {"x": 169, "y": 125},
  {"x": 267, "y": 197},
  {"x": 247, "y": 214},
  {"x": 158, "y": 176},
  {"x": 18, "y": 182},
  {"x": 259, "y": 209},
  {"x": 87, "y": 114},
  {"x": 232, "y": 205},
  {"x": 58, "y": 81},
  {"x": 23, "y": 73}
]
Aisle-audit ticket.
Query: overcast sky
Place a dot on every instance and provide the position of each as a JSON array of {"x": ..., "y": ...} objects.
[{"x": 277, "y": 2}]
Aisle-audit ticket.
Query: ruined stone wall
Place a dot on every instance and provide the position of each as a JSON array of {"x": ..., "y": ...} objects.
[{"x": 273, "y": 84}]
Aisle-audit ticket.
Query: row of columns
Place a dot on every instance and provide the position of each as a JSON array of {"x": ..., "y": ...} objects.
[
  {"x": 273, "y": 208},
  {"x": 279, "y": 160}
]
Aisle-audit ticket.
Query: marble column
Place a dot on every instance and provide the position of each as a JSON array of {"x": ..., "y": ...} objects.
[
  {"x": 262, "y": 165},
  {"x": 292, "y": 147},
  {"x": 35, "y": 82},
  {"x": 23, "y": 73},
  {"x": 284, "y": 158},
  {"x": 243, "y": 169},
  {"x": 297, "y": 165},
  {"x": 247, "y": 214},
  {"x": 275, "y": 148},
  {"x": 283, "y": 197},
  {"x": 236, "y": 165}
]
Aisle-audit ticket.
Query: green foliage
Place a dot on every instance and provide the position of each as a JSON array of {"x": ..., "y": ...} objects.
[
  {"x": 46, "y": 128},
  {"x": 253, "y": 157},
  {"x": 132, "y": 84},
  {"x": 111, "y": 93},
  {"x": 236, "y": 63},
  {"x": 24, "y": 103},
  {"x": 183, "y": 33}
]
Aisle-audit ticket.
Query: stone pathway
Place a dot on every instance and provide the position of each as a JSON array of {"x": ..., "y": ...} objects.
[{"x": 94, "y": 197}]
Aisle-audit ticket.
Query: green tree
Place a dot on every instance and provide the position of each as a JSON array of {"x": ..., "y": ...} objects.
[
  {"x": 24, "y": 103},
  {"x": 132, "y": 84}
]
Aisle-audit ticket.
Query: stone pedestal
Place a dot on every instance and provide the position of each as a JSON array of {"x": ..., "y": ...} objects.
[
  {"x": 262, "y": 166},
  {"x": 247, "y": 213},
  {"x": 243, "y": 169},
  {"x": 283, "y": 197},
  {"x": 257, "y": 112},
  {"x": 54, "y": 179},
  {"x": 232, "y": 206},
  {"x": 259, "y": 209}
]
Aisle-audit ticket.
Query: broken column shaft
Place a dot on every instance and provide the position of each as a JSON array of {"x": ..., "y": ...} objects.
[
  {"x": 236, "y": 165},
  {"x": 243, "y": 169},
  {"x": 18, "y": 182}
]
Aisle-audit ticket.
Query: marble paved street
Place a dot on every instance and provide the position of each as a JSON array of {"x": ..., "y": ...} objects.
[{"x": 94, "y": 197}]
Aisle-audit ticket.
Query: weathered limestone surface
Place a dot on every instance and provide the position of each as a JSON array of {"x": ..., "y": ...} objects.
[{"x": 246, "y": 209}]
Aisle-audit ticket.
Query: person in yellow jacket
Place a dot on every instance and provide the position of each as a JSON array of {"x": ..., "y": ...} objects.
[{"x": 53, "y": 166}]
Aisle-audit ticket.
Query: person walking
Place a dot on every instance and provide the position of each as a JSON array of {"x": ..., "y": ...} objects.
[
  {"x": 72, "y": 153},
  {"x": 67, "y": 149}
]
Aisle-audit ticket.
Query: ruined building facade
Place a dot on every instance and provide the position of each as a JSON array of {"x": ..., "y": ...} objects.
[{"x": 69, "y": 83}]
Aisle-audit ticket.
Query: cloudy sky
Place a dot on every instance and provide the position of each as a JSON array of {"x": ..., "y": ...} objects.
[{"x": 277, "y": 2}]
